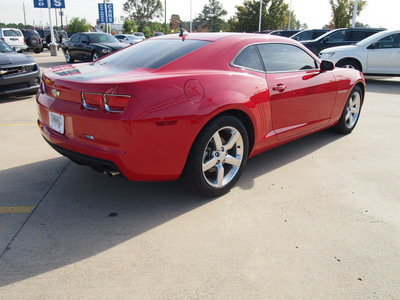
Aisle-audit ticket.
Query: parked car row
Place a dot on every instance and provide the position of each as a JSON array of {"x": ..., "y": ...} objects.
[
  {"x": 379, "y": 54},
  {"x": 90, "y": 46},
  {"x": 373, "y": 51}
]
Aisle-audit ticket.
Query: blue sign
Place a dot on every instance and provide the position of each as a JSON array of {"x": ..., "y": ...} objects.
[
  {"x": 110, "y": 13},
  {"x": 102, "y": 13},
  {"x": 57, "y": 3},
  {"x": 53, "y": 3}
]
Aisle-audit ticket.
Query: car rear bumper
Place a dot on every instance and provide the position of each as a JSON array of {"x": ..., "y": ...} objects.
[{"x": 113, "y": 142}]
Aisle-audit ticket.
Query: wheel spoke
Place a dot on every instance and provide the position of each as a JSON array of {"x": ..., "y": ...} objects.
[
  {"x": 217, "y": 141},
  {"x": 220, "y": 175},
  {"x": 234, "y": 161},
  {"x": 209, "y": 164},
  {"x": 232, "y": 141}
]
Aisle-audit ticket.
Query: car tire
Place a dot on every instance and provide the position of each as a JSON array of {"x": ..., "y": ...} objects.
[
  {"x": 68, "y": 57},
  {"x": 351, "y": 112},
  {"x": 349, "y": 64},
  {"x": 218, "y": 156},
  {"x": 95, "y": 55},
  {"x": 37, "y": 51}
]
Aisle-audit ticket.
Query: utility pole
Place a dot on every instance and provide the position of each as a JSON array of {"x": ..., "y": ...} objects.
[
  {"x": 23, "y": 5},
  {"x": 290, "y": 14},
  {"x": 190, "y": 15},
  {"x": 259, "y": 23},
  {"x": 165, "y": 20},
  {"x": 353, "y": 24},
  {"x": 56, "y": 17}
]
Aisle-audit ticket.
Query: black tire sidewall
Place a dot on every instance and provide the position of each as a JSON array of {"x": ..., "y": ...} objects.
[
  {"x": 341, "y": 126},
  {"x": 193, "y": 170}
]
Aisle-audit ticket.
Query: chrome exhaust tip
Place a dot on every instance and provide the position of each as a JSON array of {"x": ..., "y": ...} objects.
[{"x": 111, "y": 173}]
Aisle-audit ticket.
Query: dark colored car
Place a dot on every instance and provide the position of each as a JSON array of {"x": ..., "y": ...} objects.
[
  {"x": 90, "y": 46},
  {"x": 309, "y": 34},
  {"x": 197, "y": 105},
  {"x": 339, "y": 37},
  {"x": 285, "y": 33},
  {"x": 46, "y": 37},
  {"x": 33, "y": 40},
  {"x": 19, "y": 73}
]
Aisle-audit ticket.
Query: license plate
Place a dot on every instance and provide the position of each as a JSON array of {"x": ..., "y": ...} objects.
[{"x": 56, "y": 122}]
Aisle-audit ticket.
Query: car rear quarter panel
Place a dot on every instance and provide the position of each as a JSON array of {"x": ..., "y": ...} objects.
[{"x": 179, "y": 119}]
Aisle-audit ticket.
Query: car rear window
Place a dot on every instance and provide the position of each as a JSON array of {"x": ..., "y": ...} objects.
[
  {"x": 12, "y": 33},
  {"x": 152, "y": 54}
]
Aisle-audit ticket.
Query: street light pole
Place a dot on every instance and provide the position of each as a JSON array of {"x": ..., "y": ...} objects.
[
  {"x": 353, "y": 24},
  {"x": 259, "y": 23},
  {"x": 290, "y": 14}
]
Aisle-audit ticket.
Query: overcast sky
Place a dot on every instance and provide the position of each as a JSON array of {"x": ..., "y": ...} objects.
[{"x": 315, "y": 13}]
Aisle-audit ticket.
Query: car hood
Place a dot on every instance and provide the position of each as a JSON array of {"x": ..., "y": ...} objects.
[
  {"x": 114, "y": 46},
  {"x": 12, "y": 58},
  {"x": 340, "y": 48}
]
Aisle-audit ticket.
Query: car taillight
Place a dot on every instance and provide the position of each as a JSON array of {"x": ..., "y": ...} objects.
[
  {"x": 91, "y": 100},
  {"x": 116, "y": 103}
]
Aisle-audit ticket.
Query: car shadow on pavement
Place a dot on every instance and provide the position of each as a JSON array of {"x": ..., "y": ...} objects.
[
  {"x": 80, "y": 213},
  {"x": 13, "y": 98},
  {"x": 278, "y": 157},
  {"x": 383, "y": 85}
]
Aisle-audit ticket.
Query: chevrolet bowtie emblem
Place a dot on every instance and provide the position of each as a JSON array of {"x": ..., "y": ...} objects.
[
  {"x": 2, "y": 72},
  {"x": 55, "y": 93}
]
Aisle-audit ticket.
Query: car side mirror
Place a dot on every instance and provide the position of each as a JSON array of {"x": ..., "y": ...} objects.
[
  {"x": 326, "y": 65},
  {"x": 325, "y": 40}
]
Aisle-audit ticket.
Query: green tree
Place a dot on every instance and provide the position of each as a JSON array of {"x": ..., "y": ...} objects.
[
  {"x": 342, "y": 12},
  {"x": 210, "y": 17},
  {"x": 142, "y": 11},
  {"x": 78, "y": 25},
  {"x": 175, "y": 22},
  {"x": 275, "y": 16},
  {"x": 129, "y": 26}
]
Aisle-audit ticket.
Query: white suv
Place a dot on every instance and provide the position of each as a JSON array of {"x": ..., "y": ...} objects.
[
  {"x": 378, "y": 54},
  {"x": 14, "y": 38}
]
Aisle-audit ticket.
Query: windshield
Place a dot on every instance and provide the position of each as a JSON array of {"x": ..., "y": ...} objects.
[
  {"x": 5, "y": 48},
  {"x": 102, "y": 38},
  {"x": 152, "y": 54}
]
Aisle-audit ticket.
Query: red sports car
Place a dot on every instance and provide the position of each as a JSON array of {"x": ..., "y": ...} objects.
[{"x": 199, "y": 105}]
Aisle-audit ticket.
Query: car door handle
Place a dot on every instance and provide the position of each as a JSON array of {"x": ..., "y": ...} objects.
[{"x": 279, "y": 88}]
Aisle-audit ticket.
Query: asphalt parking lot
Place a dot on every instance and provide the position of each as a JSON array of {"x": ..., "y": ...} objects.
[{"x": 318, "y": 218}]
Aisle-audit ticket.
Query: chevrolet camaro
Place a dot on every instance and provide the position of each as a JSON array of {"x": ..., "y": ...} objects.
[{"x": 197, "y": 105}]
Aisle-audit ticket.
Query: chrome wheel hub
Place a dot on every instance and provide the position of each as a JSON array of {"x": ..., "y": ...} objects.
[
  {"x": 353, "y": 109},
  {"x": 222, "y": 157}
]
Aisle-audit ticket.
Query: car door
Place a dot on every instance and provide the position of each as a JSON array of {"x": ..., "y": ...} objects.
[
  {"x": 84, "y": 48},
  {"x": 302, "y": 97},
  {"x": 72, "y": 46},
  {"x": 383, "y": 57}
]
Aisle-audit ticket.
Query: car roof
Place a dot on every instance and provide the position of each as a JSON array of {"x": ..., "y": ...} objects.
[{"x": 215, "y": 36}]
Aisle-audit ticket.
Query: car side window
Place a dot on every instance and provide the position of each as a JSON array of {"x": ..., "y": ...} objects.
[
  {"x": 388, "y": 42},
  {"x": 337, "y": 37},
  {"x": 285, "y": 58},
  {"x": 84, "y": 39},
  {"x": 75, "y": 38},
  {"x": 249, "y": 58}
]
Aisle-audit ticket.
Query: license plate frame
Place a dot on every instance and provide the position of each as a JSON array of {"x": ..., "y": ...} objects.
[{"x": 56, "y": 122}]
